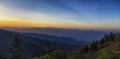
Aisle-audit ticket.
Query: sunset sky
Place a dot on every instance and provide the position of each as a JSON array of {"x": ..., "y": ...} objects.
[{"x": 78, "y": 14}]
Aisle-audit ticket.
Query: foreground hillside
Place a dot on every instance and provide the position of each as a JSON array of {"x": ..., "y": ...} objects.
[{"x": 106, "y": 48}]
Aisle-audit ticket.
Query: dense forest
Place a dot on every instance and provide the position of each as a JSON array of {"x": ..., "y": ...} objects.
[{"x": 106, "y": 48}]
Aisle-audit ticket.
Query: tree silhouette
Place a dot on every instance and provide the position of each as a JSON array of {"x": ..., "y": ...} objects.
[
  {"x": 47, "y": 47},
  {"x": 16, "y": 49},
  {"x": 94, "y": 46},
  {"x": 111, "y": 36},
  {"x": 85, "y": 49}
]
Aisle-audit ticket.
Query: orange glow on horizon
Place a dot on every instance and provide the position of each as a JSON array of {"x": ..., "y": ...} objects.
[
  {"x": 16, "y": 24},
  {"x": 25, "y": 24},
  {"x": 31, "y": 24}
]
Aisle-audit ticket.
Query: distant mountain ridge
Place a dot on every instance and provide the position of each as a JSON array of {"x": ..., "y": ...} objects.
[
  {"x": 56, "y": 38},
  {"x": 80, "y": 35},
  {"x": 32, "y": 45}
]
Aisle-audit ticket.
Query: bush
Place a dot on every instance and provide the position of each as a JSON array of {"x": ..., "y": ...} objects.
[{"x": 108, "y": 53}]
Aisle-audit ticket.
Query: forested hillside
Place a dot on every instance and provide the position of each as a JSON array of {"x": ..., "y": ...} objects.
[{"x": 106, "y": 48}]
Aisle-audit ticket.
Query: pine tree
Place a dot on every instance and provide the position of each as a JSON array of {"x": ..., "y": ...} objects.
[
  {"x": 85, "y": 49},
  {"x": 103, "y": 40},
  {"x": 111, "y": 36},
  {"x": 94, "y": 46},
  {"x": 47, "y": 47},
  {"x": 16, "y": 49}
]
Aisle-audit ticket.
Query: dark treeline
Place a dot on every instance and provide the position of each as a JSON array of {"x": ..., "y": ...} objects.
[
  {"x": 15, "y": 50},
  {"x": 106, "y": 48}
]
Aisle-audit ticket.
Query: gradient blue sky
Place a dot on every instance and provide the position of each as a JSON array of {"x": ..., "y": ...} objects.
[{"x": 82, "y": 14}]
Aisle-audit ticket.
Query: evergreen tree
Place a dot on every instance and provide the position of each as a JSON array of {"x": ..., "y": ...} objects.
[
  {"x": 16, "y": 49},
  {"x": 104, "y": 39},
  {"x": 94, "y": 46},
  {"x": 47, "y": 47},
  {"x": 85, "y": 49},
  {"x": 111, "y": 36}
]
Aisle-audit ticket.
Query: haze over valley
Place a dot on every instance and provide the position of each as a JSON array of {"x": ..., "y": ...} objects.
[{"x": 59, "y": 29}]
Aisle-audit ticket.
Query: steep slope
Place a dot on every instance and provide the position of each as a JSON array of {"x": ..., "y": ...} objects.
[{"x": 107, "y": 48}]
